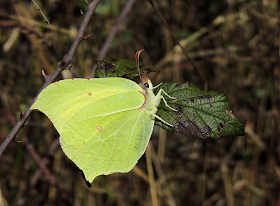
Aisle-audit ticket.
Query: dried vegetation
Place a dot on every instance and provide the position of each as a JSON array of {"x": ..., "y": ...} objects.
[{"x": 235, "y": 46}]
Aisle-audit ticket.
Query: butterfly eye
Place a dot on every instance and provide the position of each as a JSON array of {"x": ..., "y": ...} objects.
[{"x": 146, "y": 85}]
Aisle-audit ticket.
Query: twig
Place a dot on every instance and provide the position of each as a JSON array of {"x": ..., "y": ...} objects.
[
  {"x": 14, "y": 24},
  {"x": 70, "y": 67},
  {"x": 112, "y": 34},
  {"x": 177, "y": 42},
  {"x": 74, "y": 72},
  {"x": 37, "y": 174},
  {"x": 41, "y": 163},
  {"x": 44, "y": 170},
  {"x": 161, "y": 177},
  {"x": 45, "y": 17},
  {"x": 67, "y": 60},
  {"x": 153, "y": 188},
  {"x": 26, "y": 23}
]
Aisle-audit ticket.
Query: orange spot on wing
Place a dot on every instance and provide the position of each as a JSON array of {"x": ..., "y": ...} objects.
[
  {"x": 89, "y": 94},
  {"x": 99, "y": 128}
]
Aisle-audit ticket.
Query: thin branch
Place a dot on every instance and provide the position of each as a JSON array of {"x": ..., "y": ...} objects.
[
  {"x": 41, "y": 164},
  {"x": 112, "y": 34},
  {"x": 74, "y": 72},
  {"x": 37, "y": 174},
  {"x": 42, "y": 13},
  {"x": 178, "y": 43},
  {"x": 67, "y": 60}
]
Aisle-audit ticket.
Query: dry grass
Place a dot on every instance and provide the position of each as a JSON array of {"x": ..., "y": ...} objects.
[{"x": 234, "y": 44}]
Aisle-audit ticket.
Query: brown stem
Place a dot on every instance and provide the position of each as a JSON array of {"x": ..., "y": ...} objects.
[
  {"x": 41, "y": 164},
  {"x": 37, "y": 174},
  {"x": 177, "y": 42},
  {"x": 67, "y": 60},
  {"x": 112, "y": 34}
]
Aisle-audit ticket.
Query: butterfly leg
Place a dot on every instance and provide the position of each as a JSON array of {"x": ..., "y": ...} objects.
[
  {"x": 162, "y": 120},
  {"x": 168, "y": 94},
  {"x": 161, "y": 97}
]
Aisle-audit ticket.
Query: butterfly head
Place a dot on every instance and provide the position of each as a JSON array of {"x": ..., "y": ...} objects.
[{"x": 146, "y": 82}]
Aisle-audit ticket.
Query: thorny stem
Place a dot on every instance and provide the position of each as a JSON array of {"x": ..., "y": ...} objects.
[
  {"x": 67, "y": 60},
  {"x": 177, "y": 42},
  {"x": 112, "y": 34}
]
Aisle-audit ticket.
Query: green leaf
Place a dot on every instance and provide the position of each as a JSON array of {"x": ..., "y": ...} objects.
[
  {"x": 199, "y": 114},
  {"x": 118, "y": 67}
]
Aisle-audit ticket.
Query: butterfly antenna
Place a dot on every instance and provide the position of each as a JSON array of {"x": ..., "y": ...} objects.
[{"x": 137, "y": 55}]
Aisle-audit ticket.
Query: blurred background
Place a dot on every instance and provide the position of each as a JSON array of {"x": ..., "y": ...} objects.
[{"x": 235, "y": 47}]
